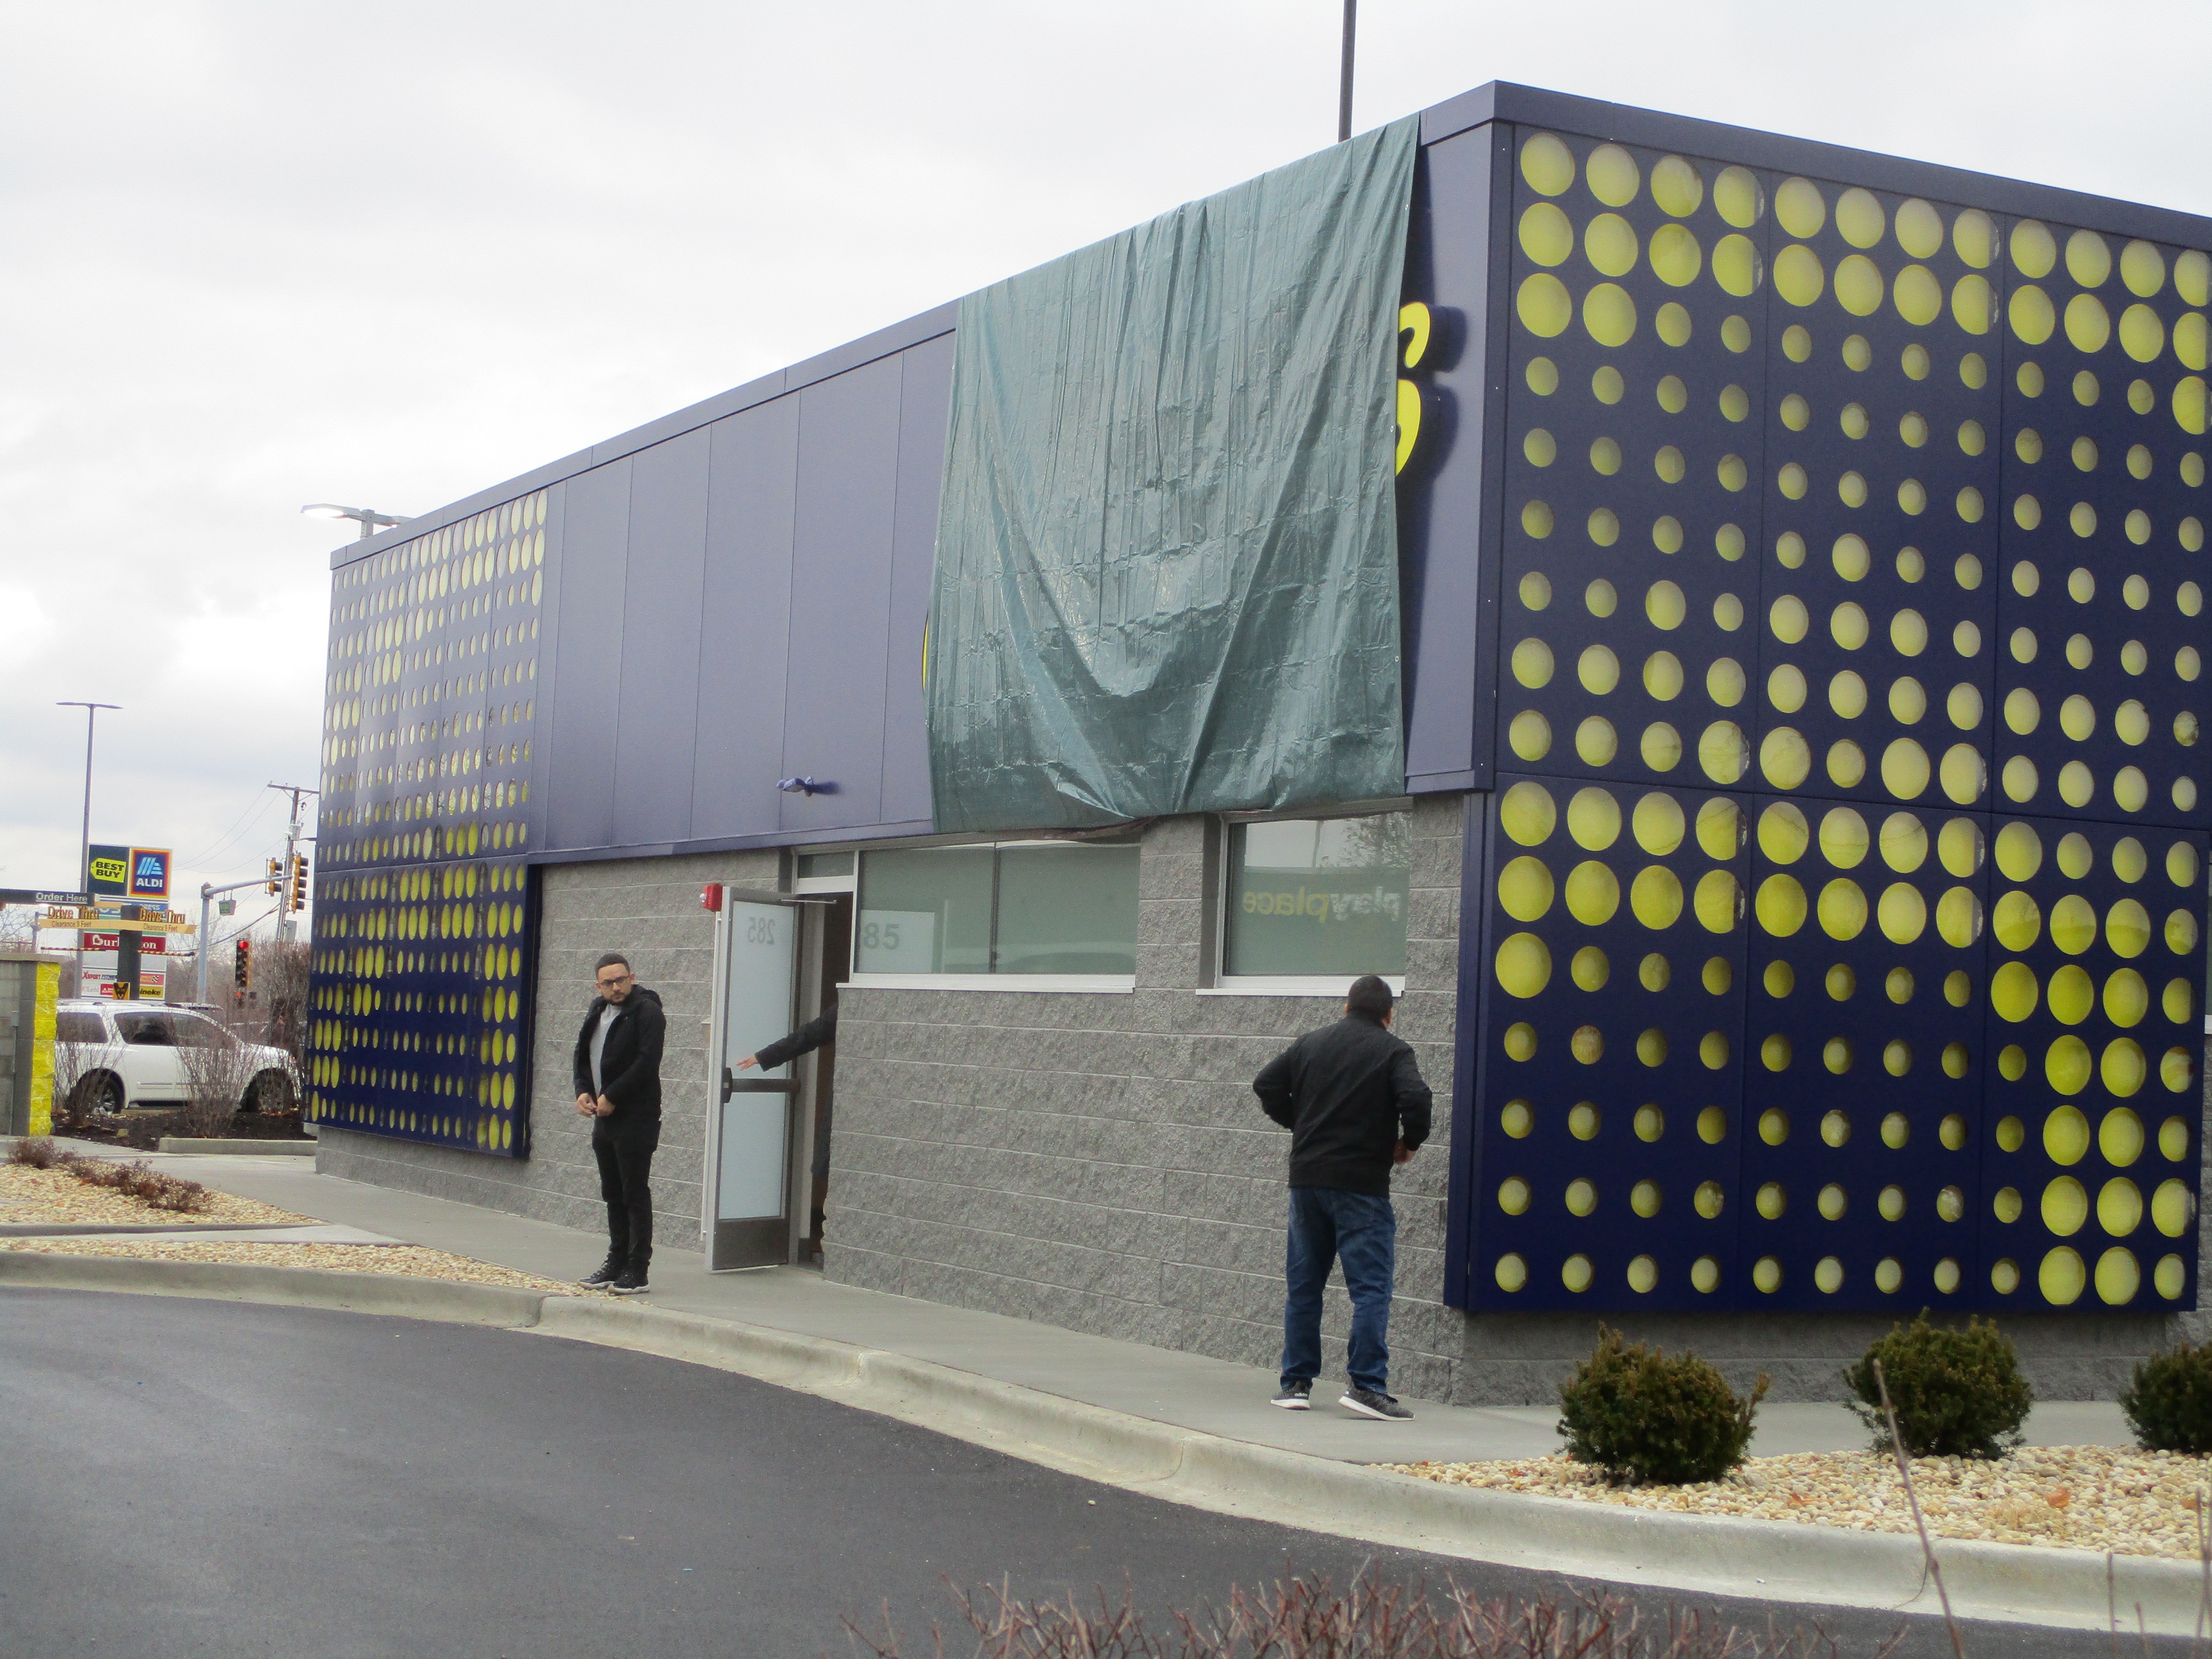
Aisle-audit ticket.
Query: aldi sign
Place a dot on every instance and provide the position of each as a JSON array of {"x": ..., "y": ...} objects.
[
  {"x": 130, "y": 873},
  {"x": 149, "y": 872}
]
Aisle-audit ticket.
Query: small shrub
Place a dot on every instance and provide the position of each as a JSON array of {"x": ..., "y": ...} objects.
[
  {"x": 160, "y": 1192},
  {"x": 148, "y": 1186},
  {"x": 2169, "y": 1402},
  {"x": 38, "y": 1151},
  {"x": 219, "y": 1068},
  {"x": 1646, "y": 1420},
  {"x": 1958, "y": 1394}
]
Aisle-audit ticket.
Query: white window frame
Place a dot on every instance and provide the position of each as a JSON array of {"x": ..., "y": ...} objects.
[
  {"x": 848, "y": 883},
  {"x": 1337, "y": 986},
  {"x": 1042, "y": 984}
]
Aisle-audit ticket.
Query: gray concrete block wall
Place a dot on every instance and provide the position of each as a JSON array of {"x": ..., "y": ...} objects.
[
  {"x": 647, "y": 908},
  {"x": 1099, "y": 1162}
]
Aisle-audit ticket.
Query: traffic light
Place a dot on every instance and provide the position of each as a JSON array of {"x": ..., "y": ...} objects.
[
  {"x": 298, "y": 881},
  {"x": 242, "y": 964},
  {"x": 275, "y": 875}
]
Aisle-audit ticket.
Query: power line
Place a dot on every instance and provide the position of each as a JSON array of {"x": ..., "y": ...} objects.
[{"x": 261, "y": 806}]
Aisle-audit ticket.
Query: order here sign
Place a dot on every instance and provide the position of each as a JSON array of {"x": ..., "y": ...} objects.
[{"x": 128, "y": 873}]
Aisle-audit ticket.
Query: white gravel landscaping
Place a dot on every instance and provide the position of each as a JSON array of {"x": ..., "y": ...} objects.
[
  {"x": 2094, "y": 1498},
  {"x": 31, "y": 1197}
]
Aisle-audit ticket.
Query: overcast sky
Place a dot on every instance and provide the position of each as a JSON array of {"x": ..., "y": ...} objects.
[{"x": 257, "y": 255}]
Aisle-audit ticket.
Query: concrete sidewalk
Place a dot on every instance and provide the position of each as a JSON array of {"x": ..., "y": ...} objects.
[{"x": 1180, "y": 1389}]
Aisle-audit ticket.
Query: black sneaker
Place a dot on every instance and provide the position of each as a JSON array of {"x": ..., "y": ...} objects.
[
  {"x": 609, "y": 1271},
  {"x": 631, "y": 1283},
  {"x": 1368, "y": 1402},
  {"x": 1295, "y": 1397}
]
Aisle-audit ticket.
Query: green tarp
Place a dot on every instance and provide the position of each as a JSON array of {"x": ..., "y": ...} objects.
[{"x": 1167, "y": 555}]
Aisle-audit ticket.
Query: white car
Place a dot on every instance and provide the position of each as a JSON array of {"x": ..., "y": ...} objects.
[{"x": 129, "y": 1054}]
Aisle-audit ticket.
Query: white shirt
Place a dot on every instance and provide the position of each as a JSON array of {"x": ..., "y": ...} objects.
[{"x": 608, "y": 1015}]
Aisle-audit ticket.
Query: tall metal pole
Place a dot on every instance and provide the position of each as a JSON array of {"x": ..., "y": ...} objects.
[
  {"x": 84, "y": 835},
  {"x": 286, "y": 929},
  {"x": 1344, "y": 85}
]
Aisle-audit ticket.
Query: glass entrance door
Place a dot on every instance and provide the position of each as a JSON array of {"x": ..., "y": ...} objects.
[{"x": 749, "y": 1145}]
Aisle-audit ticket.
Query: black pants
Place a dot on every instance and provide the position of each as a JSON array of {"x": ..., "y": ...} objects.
[{"x": 625, "y": 1156}]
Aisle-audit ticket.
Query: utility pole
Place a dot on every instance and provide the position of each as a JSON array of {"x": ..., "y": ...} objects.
[
  {"x": 84, "y": 848},
  {"x": 285, "y": 926},
  {"x": 1344, "y": 83}
]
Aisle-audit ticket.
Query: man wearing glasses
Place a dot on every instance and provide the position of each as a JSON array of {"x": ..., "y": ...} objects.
[{"x": 618, "y": 1086}]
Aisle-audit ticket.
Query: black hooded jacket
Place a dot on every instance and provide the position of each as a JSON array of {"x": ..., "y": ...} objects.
[
  {"x": 1348, "y": 1094},
  {"x": 631, "y": 1062},
  {"x": 817, "y": 1032}
]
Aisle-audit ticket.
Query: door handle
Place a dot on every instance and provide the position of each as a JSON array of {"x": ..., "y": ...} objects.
[{"x": 729, "y": 1084}]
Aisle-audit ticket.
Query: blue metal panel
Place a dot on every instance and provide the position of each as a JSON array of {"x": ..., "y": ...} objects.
[
  {"x": 925, "y": 409},
  {"x": 664, "y": 584},
  {"x": 1471, "y": 1049},
  {"x": 1863, "y": 1058},
  {"x": 1611, "y": 1075},
  {"x": 424, "y": 913},
  {"x": 595, "y": 539},
  {"x": 2103, "y": 630},
  {"x": 2091, "y": 1145},
  {"x": 884, "y": 342},
  {"x": 833, "y": 730},
  {"x": 696, "y": 416},
  {"x": 537, "y": 768},
  {"x": 1628, "y": 632},
  {"x": 745, "y": 630},
  {"x": 1878, "y": 615},
  {"x": 1447, "y": 520},
  {"x": 1906, "y": 392}
]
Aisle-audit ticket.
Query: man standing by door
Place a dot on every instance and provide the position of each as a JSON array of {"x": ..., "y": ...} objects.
[
  {"x": 617, "y": 1069},
  {"x": 1352, "y": 1098}
]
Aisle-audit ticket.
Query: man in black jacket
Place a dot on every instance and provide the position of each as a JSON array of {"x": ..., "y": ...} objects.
[
  {"x": 817, "y": 1033},
  {"x": 617, "y": 1069},
  {"x": 1352, "y": 1098}
]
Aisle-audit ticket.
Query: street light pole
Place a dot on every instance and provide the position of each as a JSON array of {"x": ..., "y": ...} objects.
[
  {"x": 367, "y": 518},
  {"x": 1344, "y": 80},
  {"x": 84, "y": 834}
]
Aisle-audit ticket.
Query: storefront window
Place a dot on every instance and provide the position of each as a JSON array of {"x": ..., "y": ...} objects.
[
  {"x": 1318, "y": 897},
  {"x": 1038, "y": 907},
  {"x": 925, "y": 910},
  {"x": 1066, "y": 908}
]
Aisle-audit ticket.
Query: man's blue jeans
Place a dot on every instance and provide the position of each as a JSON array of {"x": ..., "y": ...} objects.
[{"x": 1328, "y": 1225}]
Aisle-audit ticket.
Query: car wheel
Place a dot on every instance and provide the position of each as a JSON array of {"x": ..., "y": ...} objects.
[
  {"x": 271, "y": 1092},
  {"x": 100, "y": 1094}
]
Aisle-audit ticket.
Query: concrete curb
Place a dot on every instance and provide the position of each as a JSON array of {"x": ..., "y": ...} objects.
[
  {"x": 137, "y": 1229},
  {"x": 1761, "y": 1559},
  {"x": 173, "y": 1144},
  {"x": 295, "y": 1287},
  {"x": 1758, "y": 1559}
]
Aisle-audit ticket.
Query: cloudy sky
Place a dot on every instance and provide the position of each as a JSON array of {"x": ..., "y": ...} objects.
[{"x": 257, "y": 255}]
